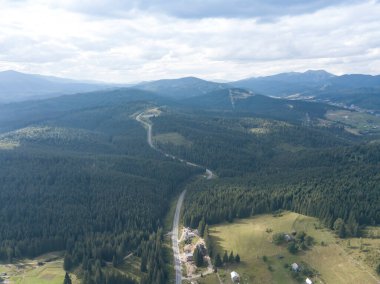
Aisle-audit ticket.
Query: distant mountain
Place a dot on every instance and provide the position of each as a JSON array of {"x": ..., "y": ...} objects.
[
  {"x": 286, "y": 84},
  {"x": 353, "y": 89},
  {"x": 16, "y": 86},
  {"x": 181, "y": 88}
]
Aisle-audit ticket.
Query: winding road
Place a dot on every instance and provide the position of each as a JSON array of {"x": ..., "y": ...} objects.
[{"x": 143, "y": 118}]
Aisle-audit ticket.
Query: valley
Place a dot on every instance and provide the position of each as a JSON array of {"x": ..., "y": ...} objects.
[{"x": 128, "y": 166}]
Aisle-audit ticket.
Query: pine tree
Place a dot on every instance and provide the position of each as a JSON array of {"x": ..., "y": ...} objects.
[
  {"x": 218, "y": 260},
  {"x": 201, "y": 227},
  {"x": 67, "y": 279},
  {"x": 237, "y": 258},
  {"x": 143, "y": 264},
  {"x": 67, "y": 262},
  {"x": 198, "y": 256},
  {"x": 225, "y": 257},
  {"x": 114, "y": 261},
  {"x": 342, "y": 232},
  {"x": 231, "y": 258}
]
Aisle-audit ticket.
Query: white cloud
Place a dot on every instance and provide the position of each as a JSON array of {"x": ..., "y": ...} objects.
[{"x": 144, "y": 45}]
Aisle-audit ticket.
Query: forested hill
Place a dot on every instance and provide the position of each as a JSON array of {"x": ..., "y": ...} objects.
[
  {"x": 77, "y": 174},
  {"x": 266, "y": 165},
  {"x": 247, "y": 103}
]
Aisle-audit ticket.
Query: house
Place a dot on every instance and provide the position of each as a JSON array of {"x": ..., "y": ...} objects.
[
  {"x": 189, "y": 256},
  {"x": 288, "y": 237},
  {"x": 295, "y": 267},
  {"x": 308, "y": 281},
  {"x": 235, "y": 277}
]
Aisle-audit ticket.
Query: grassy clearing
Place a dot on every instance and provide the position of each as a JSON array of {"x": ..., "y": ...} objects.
[
  {"x": 356, "y": 122},
  {"x": 249, "y": 238},
  {"x": 130, "y": 267},
  {"x": 172, "y": 138},
  {"x": 8, "y": 145},
  {"x": 29, "y": 272},
  {"x": 208, "y": 279}
]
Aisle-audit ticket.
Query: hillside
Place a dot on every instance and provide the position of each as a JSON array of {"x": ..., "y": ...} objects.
[
  {"x": 88, "y": 154},
  {"x": 181, "y": 88},
  {"x": 244, "y": 102},
  {"x": 351, "y": 89},
  {"x": 17, "y": 86}
]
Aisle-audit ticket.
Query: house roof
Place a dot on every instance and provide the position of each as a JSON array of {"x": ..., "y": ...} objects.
[{"x": 234, "y": 274}]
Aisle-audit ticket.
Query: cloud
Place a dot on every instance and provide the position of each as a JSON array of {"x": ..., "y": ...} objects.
[
  {"x": 200, "y": 8},
  {"x": 72, "y": 40}
]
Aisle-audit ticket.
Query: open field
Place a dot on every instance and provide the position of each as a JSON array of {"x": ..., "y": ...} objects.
[
  {"x": 208, "y": 279},
  {"x": 334, "y": 261},
  {"x": 356, "y": 122},
  {"x": 29, "y": 272},
  {"x": 172, "y": 138},
  {"x": 130, "y": 267}
]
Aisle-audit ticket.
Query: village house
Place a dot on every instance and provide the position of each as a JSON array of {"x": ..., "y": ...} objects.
[
  {"x": 288, "y": 238},
  {"x": 189, "y": 234},
  {"x": 295, "y": 267},
  {"x": 235, "y": 277},
  {"x": 308, "y": 281},
  {"x": 189, "y": 256}
]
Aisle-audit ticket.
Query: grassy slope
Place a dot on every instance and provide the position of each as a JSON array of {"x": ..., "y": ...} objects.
[
  {"x": 249, "y": 238},
  {"x": 28, "y": 272}
]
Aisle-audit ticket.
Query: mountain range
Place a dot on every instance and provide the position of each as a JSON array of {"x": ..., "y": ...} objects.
[
  {"x": 17, "y": 86},
  {"x": 350, "y": 90}
]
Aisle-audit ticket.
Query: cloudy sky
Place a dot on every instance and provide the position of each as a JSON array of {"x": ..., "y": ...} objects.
[{"x": 131, "y": 40}]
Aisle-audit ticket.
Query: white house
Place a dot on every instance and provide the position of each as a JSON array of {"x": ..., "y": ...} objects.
[
  {"x": 288, "y": 237},
  {"x": 295, "y": 267},
  {"x": 235, "y": 277},
  {"x": 308, "y": 281}
]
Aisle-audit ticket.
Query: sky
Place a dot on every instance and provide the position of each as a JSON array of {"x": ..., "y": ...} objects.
[{"x": 125, "y": 41}]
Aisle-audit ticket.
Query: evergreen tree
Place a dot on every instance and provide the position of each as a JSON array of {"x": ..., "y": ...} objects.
[
  {"x": 225, "y": 257},
  {"x": 114, "y": 261},
  {"x": 67, "y": 279},
  {"x": 201, "y": 227},
  {"x": 342, "y": 232},
  {"x": 67, "y": 262},
  {"x": 237, "y": 258},
  {"x": 198, "y": 257},
  {"x": 231, "y": 258},
  {"x": 218, "y": 260},
  {"x": 292, "y": 248}
]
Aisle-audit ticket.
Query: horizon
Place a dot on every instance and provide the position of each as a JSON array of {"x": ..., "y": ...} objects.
[
  {"x": 149, "y": 40},
  {"x": 184, "y": 77}
]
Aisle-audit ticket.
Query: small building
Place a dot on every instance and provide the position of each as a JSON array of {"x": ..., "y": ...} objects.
[
  {"x": 235, "y": 277},
  {"x": 189, "y": 256},
  {"x": 295, "y": 267},
  {"x": 308, "y": 281},
  {"x": 288, "y": 238}
]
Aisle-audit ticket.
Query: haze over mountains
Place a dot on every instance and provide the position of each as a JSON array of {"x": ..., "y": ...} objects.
[
  {"x": 17, "y": 86},
  {"x": 356, "y": 90}
]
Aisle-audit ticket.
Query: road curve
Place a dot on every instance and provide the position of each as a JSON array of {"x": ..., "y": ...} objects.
[{"x": 143, "y": 118}]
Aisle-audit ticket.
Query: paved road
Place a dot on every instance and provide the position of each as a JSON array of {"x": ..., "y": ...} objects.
[
  {"x": 143, "y": 118},
  {"x": 175, "y": 231}
]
